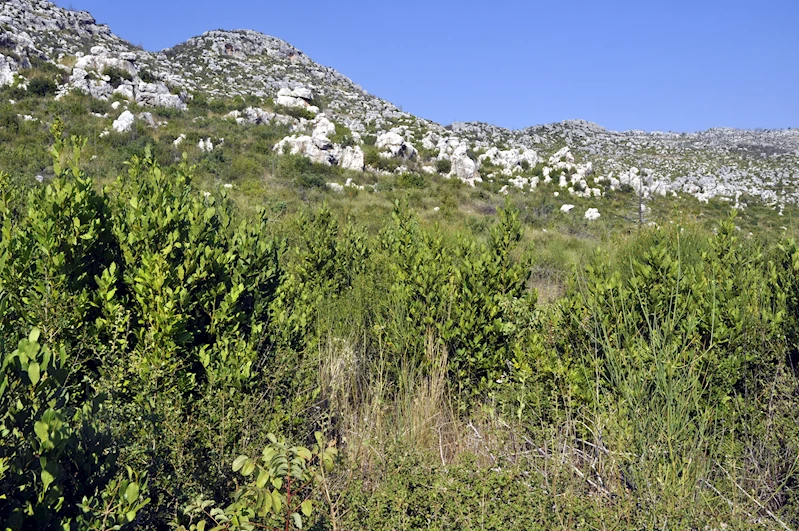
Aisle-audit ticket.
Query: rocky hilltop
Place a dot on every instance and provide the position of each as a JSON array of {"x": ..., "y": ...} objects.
[{"x": 573, "y": 157}]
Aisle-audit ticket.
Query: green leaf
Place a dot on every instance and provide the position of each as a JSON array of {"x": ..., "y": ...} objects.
[
  {"x": 42, "y": 430},
  {"x": 239, "y": 462},
  {"x": 277, "y": 502},
  {"x": 131, "y": 515},
  {"x": 248, "y": 468},
  {"x": 47, "y": 479},
  {"x": 34, "y": 372},
  {"x": 132, "y": 493},
  {"x": 306, "y": 507},
  {"x": 304, "y": 453},
  {"x": 264, "y": 502},
  {"x": 33, "y": 337},
  {"x": 297, "y": 520}
]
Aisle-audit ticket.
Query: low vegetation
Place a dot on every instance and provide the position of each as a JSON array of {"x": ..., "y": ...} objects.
[{"x": 196, "y": 340}]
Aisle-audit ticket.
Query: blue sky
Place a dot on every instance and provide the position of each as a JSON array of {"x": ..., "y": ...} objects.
[{"x": 670, "y": 65}]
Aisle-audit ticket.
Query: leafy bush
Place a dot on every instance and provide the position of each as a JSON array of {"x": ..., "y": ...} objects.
[
  {"x": 147, "y": 76},
  {"x": 117, "y": 75},
  {"x": 710, "y": 297},
  {"x": 470, "y": 295},
  {"x": 342, "y": 136},
  {"x": 57, "y": 467},
  {"x": 42, "y": 86},
  {"x": 411, "y": 180},
  {"x": 279, "y": 489},
  {"x": 373, "y": 158},
  {"x": 443, "y": 166},
  {"x": 304, "y": 173},
  {"x": 295, "y": 112}
]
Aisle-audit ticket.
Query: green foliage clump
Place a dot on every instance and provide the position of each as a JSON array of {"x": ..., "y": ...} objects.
[
  {"x": 410, "y": 180},
  {"x": 146, "y": 75},
  {"x": 304, "y": 173},
  {"x": 117, "y": 75},
  {"x": 416, "y": 495},
  {"x": 444, "y": 166},
  {"x": 42, "y": 86},
  {"x": 709, "y": 297},
  {"x": 373, "y": 158},
  {"x": 57, "y": 466},
  {"x": 295, "y": 112},
  {"x": 342, "y": 136},
  {"x": 470, "y": 296},
  {"x": 279, "y": 489}
]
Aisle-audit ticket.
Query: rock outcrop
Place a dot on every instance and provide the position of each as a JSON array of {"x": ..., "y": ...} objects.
[{"x": 124, "y": 122}]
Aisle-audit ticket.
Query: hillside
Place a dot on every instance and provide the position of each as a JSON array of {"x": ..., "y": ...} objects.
[
  {"x": 724, "y": 163},
  {"x": 238, "y": 292}
]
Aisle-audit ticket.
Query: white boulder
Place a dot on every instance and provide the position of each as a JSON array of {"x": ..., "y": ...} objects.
[
  {"x": 124, "y": 123},
  {"x": 299, "y": 97},
  {"x": 352, "y": 158},
  {"x": 8, "y": 69},
  {"x": 395, "y": 145},
  {"x": 463, "y": 167},
  {"x": 206, "y": 145},
  {"x": 510, "y": 160},
  {"x": 592, "y": 214}
]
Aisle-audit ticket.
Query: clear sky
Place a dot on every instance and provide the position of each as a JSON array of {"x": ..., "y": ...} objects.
[{"x": 669, "y": 65}]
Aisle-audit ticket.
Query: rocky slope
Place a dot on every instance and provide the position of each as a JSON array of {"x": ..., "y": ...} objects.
[{"x": 574, "y": 157}]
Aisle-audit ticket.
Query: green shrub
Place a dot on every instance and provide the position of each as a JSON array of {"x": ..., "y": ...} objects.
[
  {"x": 9, "y": 121},
  {"x": 168, "y": 112},
  {"x": 278, "y": 490},
  {"x": 57, "y": 466},
  {"x": 470, "y": 295},
  {"x": 443, "y": 166},
  {"x": 41, "y": 86},
  {"x": 342, "y": 136},
  {"x": 117, "y": 75},
  {"x": 373, "y": 158},
  {"x": 146, "y": 75},
  {"x": 411, "y": 180},
  {"x": 296, "y": 112},
  {"x": 709, "y": 296}
]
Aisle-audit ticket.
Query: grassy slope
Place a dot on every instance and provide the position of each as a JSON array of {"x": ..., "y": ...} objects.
[{"x": 522, "y": 460}]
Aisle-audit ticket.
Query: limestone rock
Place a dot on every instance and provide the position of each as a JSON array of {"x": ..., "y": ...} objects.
[
  {"x": 352, "y": 158},
  {"x": 395, "y": 145},
  {"x": 124, "y": 122},
  {"x": 463, "y": 167},
  {"x": 592, "y": 214},
  {"x": 8, "y": 69},
  {"x": 206, "y": 145}
]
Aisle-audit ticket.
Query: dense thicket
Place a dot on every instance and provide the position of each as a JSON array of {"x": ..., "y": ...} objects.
[{"x": 151, "y": 333}]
